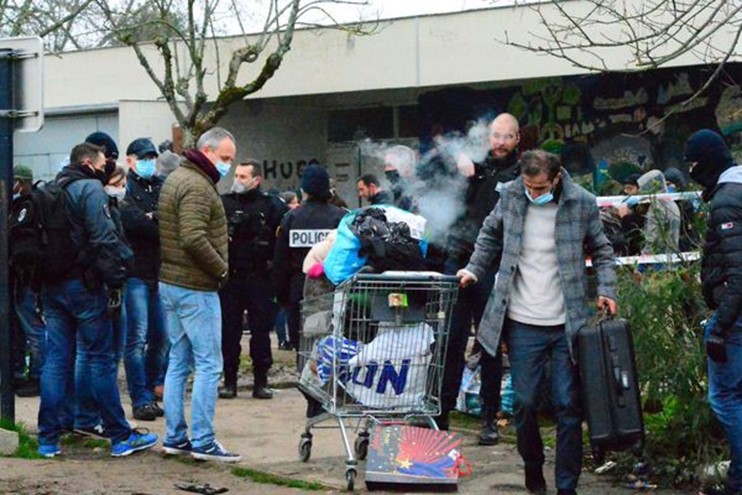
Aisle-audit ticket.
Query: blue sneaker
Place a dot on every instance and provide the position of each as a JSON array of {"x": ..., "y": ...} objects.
[
  {"x": 214, "y": 452},
  {"x": 49, "y": 451},
  {"x": 177, "y": 448},
  {"x": 138, "y": 440}
]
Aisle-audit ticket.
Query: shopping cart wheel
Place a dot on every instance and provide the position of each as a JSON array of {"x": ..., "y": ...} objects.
[
  {"x": 361, "y": 446},
  {"x": 350, "y": 478},
  {"x": 305, "y": 449}
]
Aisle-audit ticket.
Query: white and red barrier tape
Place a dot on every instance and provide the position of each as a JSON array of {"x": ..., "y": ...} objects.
[{"x": 646, "y": 198}]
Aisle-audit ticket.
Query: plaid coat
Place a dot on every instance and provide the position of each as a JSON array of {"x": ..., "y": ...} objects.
[{"x": 579, "y": 234}]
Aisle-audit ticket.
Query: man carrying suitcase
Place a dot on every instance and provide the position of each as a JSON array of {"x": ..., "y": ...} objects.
[
  {"x": 538, "y": 236},
  {"x": 711, "y": 164}
]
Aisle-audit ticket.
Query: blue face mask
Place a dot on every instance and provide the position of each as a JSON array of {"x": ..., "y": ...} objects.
[
  {"x": 541, "y": 200},
  {"x": 223, "y": 168},
  {"x": 146, "y": 168},
  {"x": 670, "y": 189}
]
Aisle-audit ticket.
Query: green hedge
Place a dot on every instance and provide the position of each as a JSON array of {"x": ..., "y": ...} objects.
[{"x": 665, "y": 309}]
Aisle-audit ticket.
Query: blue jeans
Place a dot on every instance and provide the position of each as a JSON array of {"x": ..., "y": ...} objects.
[
  {"x": 280, "y": 325},
  {"x": 725, "y": 398},
  {"x": 529, "y": 349},
  {"x": 85, "y": 406},
  {"x": 33, "y": 327},
  {"x": 145, "y": 358},
  {"x": 194, "y": 325},
  {"x": 75, "y": 313}
]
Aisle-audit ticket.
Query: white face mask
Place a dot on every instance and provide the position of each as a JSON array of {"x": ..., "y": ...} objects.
[
  {"x": 116, "y": 192},
  {"x": 239, "y": 187}
]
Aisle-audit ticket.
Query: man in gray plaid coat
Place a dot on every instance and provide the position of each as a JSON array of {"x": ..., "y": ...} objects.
[{"x": 539, "y": 235}]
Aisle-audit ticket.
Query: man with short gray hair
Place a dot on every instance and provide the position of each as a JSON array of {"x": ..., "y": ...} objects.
[{"x": 193, "y": 240}]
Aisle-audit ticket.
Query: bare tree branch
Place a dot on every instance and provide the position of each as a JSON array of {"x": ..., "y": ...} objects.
[
  {"x": 655, "y": 32},
  {"x": 182, "y": 54},
  {"x": 59, "y": 23},
  {"x": 232, "y": 93},
  {"x": 53, "y": 20}
]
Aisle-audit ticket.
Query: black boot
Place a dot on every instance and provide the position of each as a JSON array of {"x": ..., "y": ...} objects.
[
  {"x": 314, "y": 407},
  {"x": 489, "y": 434},
  {"x": 535, "y": 482},
  {"x": 29, "y": 388},
  {"x": 442, "y": 421},
  {"x": 228, "y": 391},
  {"x": 260, "y": 389}
]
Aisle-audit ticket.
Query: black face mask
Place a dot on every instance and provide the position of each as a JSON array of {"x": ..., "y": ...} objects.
[
  {"x": 392, "y": 176},
  {"x": 101, "y": 176},
  {"x": 706, "y": 174}
]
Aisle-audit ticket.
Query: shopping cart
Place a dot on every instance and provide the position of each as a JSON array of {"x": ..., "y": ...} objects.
[{"x": 373, "y": 351}]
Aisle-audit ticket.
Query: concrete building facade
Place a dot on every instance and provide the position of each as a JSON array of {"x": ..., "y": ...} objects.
[{"x": 412, "y": 78}]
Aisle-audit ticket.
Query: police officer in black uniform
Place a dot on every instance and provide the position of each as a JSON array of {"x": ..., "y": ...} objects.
[
  {"x": 300, "y": 230},
  {"x": 252, "y": 218},
  {"x": 486, "y": 180}
]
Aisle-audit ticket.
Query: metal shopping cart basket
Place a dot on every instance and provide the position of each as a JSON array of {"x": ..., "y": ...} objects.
[{"x": 373, "y": 350}]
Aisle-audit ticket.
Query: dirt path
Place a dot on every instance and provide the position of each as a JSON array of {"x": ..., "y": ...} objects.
[
  {"x": 143, "y": 474},
  {"x": 266, "y": 433}
]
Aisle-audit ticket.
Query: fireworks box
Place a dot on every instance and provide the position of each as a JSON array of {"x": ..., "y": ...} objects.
[{"x": 402, "y": 457}]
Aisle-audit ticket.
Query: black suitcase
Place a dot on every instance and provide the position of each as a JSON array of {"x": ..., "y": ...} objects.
[{"x": 610, "y": 387}]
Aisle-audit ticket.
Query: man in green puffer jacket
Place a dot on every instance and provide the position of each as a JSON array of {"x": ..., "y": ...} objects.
[{"x": 193, "y": 240}]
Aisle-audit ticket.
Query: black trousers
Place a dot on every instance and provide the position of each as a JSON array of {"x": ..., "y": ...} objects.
[
  {"x": 251, "y": 293},
  {"x": 293, "y": 309},
  {"x": 469, "y": 309}
]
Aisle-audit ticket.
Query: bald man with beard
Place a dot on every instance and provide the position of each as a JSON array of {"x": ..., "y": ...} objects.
[{"x": 485, "y": 181}]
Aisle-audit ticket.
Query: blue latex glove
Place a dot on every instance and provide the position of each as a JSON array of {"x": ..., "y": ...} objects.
[{"x": 631, "y": 201}]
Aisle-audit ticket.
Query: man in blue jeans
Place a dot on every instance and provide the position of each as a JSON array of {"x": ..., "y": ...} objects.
[
  {"x": 538, "y": 236},
  {"x": 194, "y": 253},
  {"x": 711, "y": 164},
  {"x": 76, "y": 307},
  {"x": 145, "y": 357}
]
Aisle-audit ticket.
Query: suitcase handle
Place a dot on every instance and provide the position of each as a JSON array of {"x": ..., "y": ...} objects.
[
  {"x": 605, "y": 315},
  {"x": 621, "y": 378}
]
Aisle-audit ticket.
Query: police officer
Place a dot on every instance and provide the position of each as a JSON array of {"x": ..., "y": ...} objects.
[
  {"x": 300, "y": 230},
  {"x": 485, "y": 180},
  {"x": 252, "y": 220}
]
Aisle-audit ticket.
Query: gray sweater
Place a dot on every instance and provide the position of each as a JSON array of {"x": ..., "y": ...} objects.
[{"x": 537, "y": 292}]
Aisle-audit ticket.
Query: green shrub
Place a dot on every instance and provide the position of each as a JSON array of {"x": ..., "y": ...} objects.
[{"x": 665, "y": 309}]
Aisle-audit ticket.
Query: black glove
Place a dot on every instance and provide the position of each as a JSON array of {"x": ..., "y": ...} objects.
[
  {"x": 715, "y": 342},
  {"x": 716, "y": 347},
  {"x": 114, "y": 302}
]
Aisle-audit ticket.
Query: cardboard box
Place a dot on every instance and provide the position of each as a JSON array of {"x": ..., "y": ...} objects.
[{"x": 413, "y": 458}]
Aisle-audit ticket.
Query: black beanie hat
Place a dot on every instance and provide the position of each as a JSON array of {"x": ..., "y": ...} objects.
[
  {"x": 315, "y": 181},
  {"x": 711, "y": 154},
  {"x": 106, "y": 141},
  {"x": 675, "y": 176}
]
